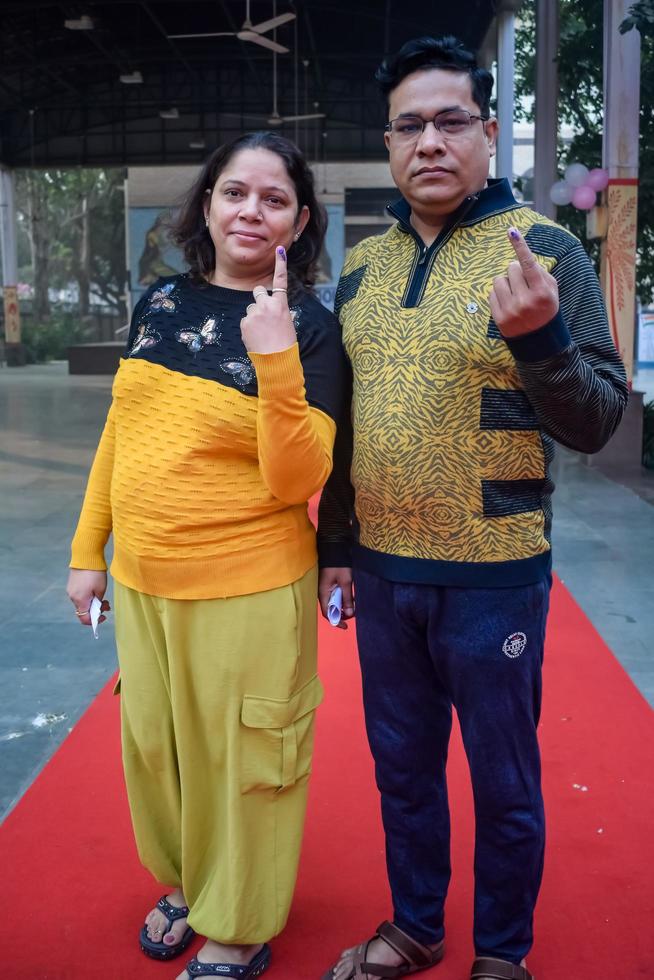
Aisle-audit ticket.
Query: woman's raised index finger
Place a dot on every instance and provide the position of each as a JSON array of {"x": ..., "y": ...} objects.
[
  {"x": 280, "y": 275},
  {"x": 526, "y": 258}
]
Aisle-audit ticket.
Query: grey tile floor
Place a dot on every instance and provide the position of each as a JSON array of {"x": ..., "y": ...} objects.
[{"x": 51, "y": 669}]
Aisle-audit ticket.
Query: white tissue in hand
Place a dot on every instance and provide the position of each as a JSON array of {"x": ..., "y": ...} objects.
[
  {"x": 335, "y": 605},
  {"x": 95, "y": 609}
]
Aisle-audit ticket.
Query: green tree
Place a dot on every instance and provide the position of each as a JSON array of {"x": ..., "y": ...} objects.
[
  {"x": 73, "y": 221},
  {"x": 581, "y": 106}
]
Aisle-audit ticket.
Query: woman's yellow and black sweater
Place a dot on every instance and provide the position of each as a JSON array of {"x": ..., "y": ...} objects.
[
  {"x": 209, "y": 455},
  {"x": 443, "y": 476}
]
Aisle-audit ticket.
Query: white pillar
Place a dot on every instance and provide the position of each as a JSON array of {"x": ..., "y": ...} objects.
[
  {"x": 620, "y": 157},
  {"x": 505, "y": 90},
  {"x": 546, "y": 116},
  {"x": 14, "y": 351},
  {"x": 8, "y": 228},
  {"x": 621, "y": 93}
]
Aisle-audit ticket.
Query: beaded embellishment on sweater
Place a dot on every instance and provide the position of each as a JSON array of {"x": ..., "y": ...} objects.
[
  {"x": 195, "y": 340},
  {"x": 240, "y": 368},
  {"x": 146, "y": 337},
  {"x": 161, "y": 299}
]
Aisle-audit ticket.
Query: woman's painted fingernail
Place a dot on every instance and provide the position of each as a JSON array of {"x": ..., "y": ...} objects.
[
  {"x": 514, "y": 233},
  {"x": 281, "y": 251}
]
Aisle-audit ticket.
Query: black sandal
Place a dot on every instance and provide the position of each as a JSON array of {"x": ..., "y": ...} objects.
[
  {"x": 160, "y": 950},
  {"x": 248, "y": 971},
  {"x": 488, "y": 968}
]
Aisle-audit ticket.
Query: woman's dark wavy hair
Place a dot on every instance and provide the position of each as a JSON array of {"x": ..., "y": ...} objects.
[
  {"x": 446, "y": 53},
  {"x": 190, "y": 233}
]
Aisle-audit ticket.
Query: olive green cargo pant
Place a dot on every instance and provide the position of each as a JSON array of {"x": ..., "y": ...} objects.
[{"x": 218, "y": 699}]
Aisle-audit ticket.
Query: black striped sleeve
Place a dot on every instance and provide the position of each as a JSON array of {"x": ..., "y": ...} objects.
[
  {"x": 570, "y": 369},
  {"x": 348, "y": 287},
  {"x": 336, "y": 508},
  {"x": 323, "y": 359}
]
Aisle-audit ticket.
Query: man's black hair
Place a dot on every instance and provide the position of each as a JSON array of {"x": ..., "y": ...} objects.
[{"x": 446, "y": 53}]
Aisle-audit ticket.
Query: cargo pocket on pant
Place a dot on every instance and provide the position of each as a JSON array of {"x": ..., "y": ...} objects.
[{"x": 277, "y": 738}]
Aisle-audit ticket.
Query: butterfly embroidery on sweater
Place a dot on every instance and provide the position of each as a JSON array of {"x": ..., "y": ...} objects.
[
  {"x": 161, "y": 300},
  {"x": 145, "y": 338},
  {"x": 240, "y": 368},
  {"x": 196, "y": 340}
]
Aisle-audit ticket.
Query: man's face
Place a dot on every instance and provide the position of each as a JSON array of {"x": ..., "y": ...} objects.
[{"x": 435, "y": 173}]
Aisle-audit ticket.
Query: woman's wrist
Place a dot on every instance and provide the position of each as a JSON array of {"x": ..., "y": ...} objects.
[{"x": 278, "y": 372}]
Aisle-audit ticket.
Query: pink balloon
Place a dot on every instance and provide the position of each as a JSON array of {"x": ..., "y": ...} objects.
[
  {"x": 598, "y": 179},
  {"x": 584, "y": 197}
]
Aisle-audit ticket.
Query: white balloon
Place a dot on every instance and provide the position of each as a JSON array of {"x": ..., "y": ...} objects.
[
  {"x": 561, "y": 192},
  {"x": 576, "y": 174}
]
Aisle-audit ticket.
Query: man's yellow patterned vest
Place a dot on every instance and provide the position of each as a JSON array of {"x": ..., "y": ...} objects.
[{"x": 453, "y": 426}]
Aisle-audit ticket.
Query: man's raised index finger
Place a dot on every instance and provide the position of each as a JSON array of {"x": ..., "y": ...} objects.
[
  {"x": 524, "y": 255},
  {"x": 280, "y": 275}
]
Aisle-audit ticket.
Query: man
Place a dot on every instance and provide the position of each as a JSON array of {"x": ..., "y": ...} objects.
[{"x": 477, "y": 335}]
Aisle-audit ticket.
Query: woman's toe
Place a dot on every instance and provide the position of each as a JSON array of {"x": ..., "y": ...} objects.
[{"x": 176, "y": 932}]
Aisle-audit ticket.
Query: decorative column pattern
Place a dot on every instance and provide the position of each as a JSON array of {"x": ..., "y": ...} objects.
[
  {"x": 619, "y": 264},
  {"x": 620, "y": 157}
]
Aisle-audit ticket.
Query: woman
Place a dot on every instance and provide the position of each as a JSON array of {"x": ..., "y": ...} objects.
[{"x": 220, "y": 429}]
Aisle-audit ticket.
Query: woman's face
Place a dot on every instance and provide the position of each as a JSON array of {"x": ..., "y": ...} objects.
[{"x": 252, "y": 209}]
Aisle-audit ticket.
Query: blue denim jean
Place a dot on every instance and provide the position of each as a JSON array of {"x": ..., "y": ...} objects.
[{"x": 423, "y": 650}]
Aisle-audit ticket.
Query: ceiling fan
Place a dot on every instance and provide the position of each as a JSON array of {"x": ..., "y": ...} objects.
[
  {"x": 252, "y": 32},
  {"x": 275, "y": 118}
]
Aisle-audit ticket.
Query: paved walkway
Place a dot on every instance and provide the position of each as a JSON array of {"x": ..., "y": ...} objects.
[{"x": 51, "y": 669}]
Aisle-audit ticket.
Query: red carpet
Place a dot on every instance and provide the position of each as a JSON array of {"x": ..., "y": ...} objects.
[{"x": 75, "y": 895}]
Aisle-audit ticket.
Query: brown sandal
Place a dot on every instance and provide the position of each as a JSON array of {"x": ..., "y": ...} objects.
[
  {"x": 417, "y": 956},
  {"x": 487, "y": 968}
]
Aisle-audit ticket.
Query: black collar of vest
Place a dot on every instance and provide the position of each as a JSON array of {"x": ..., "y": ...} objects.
[{"x": 495, "y": 197}]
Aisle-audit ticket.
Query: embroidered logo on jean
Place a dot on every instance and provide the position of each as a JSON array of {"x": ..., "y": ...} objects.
[{"x": 514, "y": 645}]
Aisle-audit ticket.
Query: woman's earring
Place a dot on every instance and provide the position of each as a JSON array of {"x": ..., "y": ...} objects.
[{"x": 297, "y": 236}]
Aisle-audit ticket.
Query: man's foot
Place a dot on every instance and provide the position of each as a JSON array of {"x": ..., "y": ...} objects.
[
  {"x": 380, "y": 951},
  {"x": 213, "y": 952},
  {"x": 490, "y": 968},
  {"x": 158, "y": 927}
]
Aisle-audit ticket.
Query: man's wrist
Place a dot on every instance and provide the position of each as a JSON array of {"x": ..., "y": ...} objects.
[
  {"x": 334, "y": 554},
  {"x": 540, "y": 344}
]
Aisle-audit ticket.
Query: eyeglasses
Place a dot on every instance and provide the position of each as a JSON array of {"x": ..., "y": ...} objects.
[{"x": 453, "y": 125}]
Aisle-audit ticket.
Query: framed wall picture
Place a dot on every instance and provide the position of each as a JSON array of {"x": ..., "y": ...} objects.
[{"x": 151, "y": 253}]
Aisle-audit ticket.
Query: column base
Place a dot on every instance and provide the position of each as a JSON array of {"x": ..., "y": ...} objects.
[
  {"x": 15, "y": 355},
  {"x": 625, "y": 449}
]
